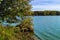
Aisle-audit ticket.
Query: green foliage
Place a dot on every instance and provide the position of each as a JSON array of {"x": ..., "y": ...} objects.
[
  {"x": 14, "y": 33},
  {"x": 46, "y": 13},
  {"x": 9, "y": 9},
  {"x": 5, "y": 33},
  {"x": 26, "y": 25},
  {"x": 0, "y": 1}
]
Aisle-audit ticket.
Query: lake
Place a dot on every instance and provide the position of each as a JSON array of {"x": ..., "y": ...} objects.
[{"x": 47, "y": 27}]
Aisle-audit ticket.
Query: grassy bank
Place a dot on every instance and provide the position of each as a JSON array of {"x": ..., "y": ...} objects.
[{"x": 14, "y": 33}]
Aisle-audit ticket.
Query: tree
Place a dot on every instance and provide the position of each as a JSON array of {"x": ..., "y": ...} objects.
[{"x": 9, "y": 9}]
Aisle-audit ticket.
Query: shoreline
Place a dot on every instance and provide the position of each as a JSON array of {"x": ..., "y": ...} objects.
[{"x": 36, "y": 37}]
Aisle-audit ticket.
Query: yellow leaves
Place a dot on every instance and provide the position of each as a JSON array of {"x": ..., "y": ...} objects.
[
  {"x": 27, "y": 22},
  {"x": 3, "y": 32}
]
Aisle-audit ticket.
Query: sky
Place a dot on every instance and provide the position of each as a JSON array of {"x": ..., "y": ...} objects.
[{"x": 45, "y": 5}]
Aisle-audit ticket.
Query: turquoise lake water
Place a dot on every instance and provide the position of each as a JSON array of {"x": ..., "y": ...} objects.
[{"x": 47, "y": 27}]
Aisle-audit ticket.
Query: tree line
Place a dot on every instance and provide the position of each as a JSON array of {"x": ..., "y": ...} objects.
[{"x": 45, "y": 13}]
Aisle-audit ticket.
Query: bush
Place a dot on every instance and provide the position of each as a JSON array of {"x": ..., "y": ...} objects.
[{"x": 14, "y": 33}]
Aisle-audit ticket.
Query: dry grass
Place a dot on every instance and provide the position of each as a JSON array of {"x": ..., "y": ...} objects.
[{"x": 14, "y": 33}]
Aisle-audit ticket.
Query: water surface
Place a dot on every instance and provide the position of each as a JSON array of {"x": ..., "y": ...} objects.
[{"x": 47, "y": 27}]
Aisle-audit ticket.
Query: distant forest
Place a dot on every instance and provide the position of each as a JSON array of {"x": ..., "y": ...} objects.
[{"x": 45, "y": 13}]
